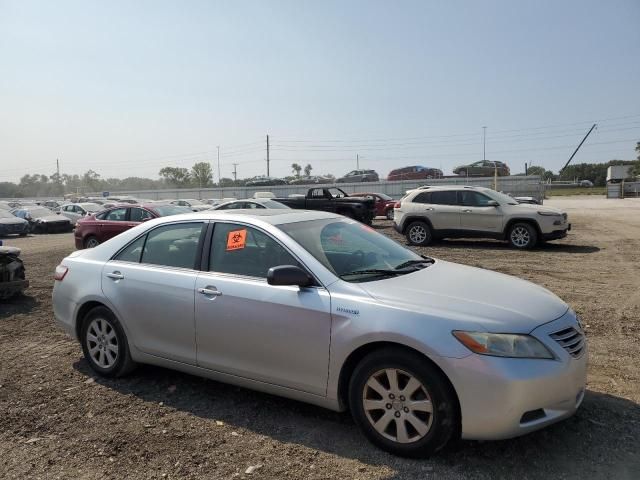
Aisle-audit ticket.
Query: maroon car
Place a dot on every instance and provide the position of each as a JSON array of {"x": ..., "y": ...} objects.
[
  {"x": 414, "y": 172},
  {"x": 383, "y": 206},
  {"x": 92, "y": 230}
]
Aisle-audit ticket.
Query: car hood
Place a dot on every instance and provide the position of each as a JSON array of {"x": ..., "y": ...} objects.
[
  {"x": 12, "y": 221},
  {"x": 538, "y": 208},
  {"x": 473, "y": 298},
  {"x": 199, "y": 208},
  {"x": 53, "y": 218}
]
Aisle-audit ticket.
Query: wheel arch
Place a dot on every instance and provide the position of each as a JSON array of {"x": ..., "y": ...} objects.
[
  {"x": 354, "y": 358},
  {"x": 415, "y": 218},
  {"x": 82, "y": 312}
]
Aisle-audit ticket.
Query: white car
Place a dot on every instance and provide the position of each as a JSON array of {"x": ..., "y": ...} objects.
[
  {"x": 432, "y": 212},
  {"x": 320, "y": 308},
  {"x": 76, "y": 211}
]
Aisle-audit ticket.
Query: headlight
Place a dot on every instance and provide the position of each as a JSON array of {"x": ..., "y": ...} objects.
[
  {"x": 503, "y": 344},
  {"x": 549, "y": 214}
]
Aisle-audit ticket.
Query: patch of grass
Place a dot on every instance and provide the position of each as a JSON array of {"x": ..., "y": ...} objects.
[{"x": 562, "y": 192}]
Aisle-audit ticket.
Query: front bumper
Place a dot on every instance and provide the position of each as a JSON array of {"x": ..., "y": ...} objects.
[
  {"x": 507, "y": 397},
  {"x": 557, "y": 234}
]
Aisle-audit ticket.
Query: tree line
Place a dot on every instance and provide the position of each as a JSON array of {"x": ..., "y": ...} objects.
[{"x": 200, "y": 175}]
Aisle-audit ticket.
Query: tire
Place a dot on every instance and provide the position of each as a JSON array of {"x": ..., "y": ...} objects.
[
  {"x": 431, "y": 405},
  {"x": 522, "y": 236},
  {"x": 104, "y": 344},
  {"x": 91, "y": 242},
  {"x": 23, "y": 234},
  {"x": 389, "y": 214},
  {"x": 462, "y": 173},
  {"x": 419, "y": 233}
]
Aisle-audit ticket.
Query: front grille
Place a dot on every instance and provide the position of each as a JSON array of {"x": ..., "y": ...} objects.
[{"x": 571, "y": 340}]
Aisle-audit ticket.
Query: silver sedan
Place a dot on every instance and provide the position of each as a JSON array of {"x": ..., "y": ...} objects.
[{"x": 319, "y": 308}]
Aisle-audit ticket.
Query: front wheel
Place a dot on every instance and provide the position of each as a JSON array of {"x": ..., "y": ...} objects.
[
  {"x": 104, "y": 343},
  {"x": 523, "y": 236},
  {"x": 402, "y": 403},
  {"x": 419, "y": 233}
]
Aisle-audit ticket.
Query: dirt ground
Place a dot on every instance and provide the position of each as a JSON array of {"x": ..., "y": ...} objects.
[{"x": 57, "y": 420}]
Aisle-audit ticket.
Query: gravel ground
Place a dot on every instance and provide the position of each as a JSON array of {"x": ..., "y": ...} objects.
[{"x": 57, "y": 420}]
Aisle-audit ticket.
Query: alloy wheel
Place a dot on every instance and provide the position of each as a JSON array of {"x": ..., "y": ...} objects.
[
  {"x": 92, "y": 243},
  {"x": 102, "y": 342},
  {"x": 418, "y": 234},
  {"x": 397, "y": 405},
  {"x": 520, "y": 237}
]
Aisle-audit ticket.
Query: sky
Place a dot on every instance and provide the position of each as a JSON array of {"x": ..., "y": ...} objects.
[{"x": 128, "y": 87}]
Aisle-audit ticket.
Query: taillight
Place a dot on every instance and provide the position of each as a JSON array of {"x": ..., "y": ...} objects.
[
  {"x": 61, "y": 272},
  {"x": 396, "y": 205}
]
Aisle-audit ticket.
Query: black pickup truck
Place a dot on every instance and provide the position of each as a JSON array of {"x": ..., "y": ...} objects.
[{"x": 333, "y": 200}]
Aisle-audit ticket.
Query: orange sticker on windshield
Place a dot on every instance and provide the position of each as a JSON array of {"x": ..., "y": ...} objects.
[{"x": 236, "y": 239}]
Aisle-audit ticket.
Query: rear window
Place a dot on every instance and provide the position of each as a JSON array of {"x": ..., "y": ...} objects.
[{"x": 444, "y": 198}]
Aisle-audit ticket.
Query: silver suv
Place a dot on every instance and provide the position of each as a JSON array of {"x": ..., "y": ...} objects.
[{"x": 452, "y": 211}]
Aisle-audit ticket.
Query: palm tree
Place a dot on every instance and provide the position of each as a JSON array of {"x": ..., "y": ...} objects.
[
  {"x": 307, "y": 170},
  {"x": 295, "y": 168}
]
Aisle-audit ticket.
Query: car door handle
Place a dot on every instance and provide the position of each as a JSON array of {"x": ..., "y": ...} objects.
[
  {"x": 209, "y": 290},
  {"x": 115, "y": 275},
  {"x": 467, "y": 211},
  {"x": 428, "y": 209}
]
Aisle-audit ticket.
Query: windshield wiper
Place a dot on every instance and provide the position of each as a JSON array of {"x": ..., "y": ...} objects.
[
  {"x": 409, "y": 263},
  {"x": 372, "y": 271}
]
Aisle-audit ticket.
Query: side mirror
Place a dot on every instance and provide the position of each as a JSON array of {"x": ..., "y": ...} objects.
[
  {"x": 288, "y": 275},
  {"x": 492, "y": 203}
]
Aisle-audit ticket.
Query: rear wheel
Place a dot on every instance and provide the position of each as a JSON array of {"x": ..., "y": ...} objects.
[
  {"x": 91, "y": 242},
  {"x": 523, "y": 236},
  {"x": 104, "y": 343},
  {"x": 419, "y": 233},
  {"x": 389, "y": 214},
  {"x": 402, "y": 403}
]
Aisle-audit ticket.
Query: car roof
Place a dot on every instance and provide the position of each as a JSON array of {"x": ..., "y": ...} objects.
[
  {"x": 450, "y": 187},
  {"x": 271, "y": 216}
]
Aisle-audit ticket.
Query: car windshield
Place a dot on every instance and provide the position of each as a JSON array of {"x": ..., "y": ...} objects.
[
  {"x": 384, "y": 196},
  {"x": 194, "y": 202},
  {"x": 501, "y": 197},
  {"x": 166, "y": 210},
  {"x": 40, "y": 212},
  {"x": 354, "y": 251},
  {"x": 273, "y": 204}
]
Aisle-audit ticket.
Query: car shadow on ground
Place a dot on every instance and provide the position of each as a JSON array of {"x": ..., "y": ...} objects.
[
  {"x": 18, "y": 304},
  {"x": 498, "y": 245},
  {"x": 575, "y": 448}
]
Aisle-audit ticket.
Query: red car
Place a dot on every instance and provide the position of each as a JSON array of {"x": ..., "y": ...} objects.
[
  {"x": 92, "y": 230},
  {"x": 383, "y": 206},
  {"x": 414, "y": 172}
]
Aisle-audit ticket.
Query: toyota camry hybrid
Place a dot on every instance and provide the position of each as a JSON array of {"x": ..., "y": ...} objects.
[{"x": 320, "y": 308}]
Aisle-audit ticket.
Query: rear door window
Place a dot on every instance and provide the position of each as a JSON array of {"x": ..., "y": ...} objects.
[
  {"x": 139, "y": 215},
  {"x": 424, "y": 197},
  {"x": 444, "y": 198},
  {"x": 116, "y": 215},
  {"x": 173, "y": 245}
]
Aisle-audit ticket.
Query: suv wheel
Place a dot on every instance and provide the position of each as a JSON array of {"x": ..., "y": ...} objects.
[
  {"x": 523, "y": 236},
  {"x": 418, "y": 233},
  {"x": 402, "y": 404}
]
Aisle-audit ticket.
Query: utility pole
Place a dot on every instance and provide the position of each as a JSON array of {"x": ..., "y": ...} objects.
[
  {"x": 235, "y": 172},
  {"x": 218, "y": 147},
  {"x": 357, "y": 161},
  {"x": 484, "y": 143},
  {"x": 526, "y": 170},
  {"x": 267, "y": 155},
  {"x": 577, "y": 148}
]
